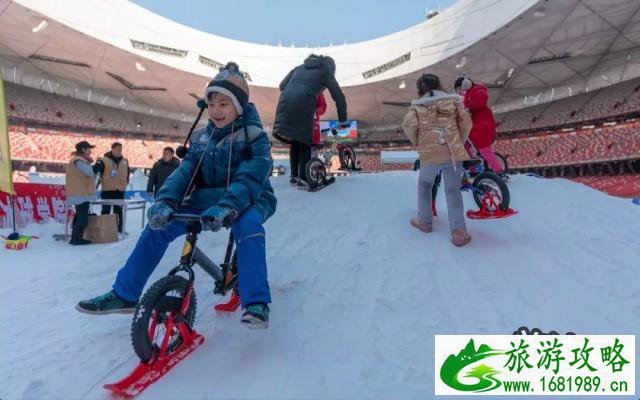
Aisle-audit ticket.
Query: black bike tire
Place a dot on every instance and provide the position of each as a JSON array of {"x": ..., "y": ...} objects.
[
  {"x": 142, "y": 345},
  {"x": 349, "y": 162},
  {"x": 314, "y": 183},
  {"x": 504, "y": 189}
]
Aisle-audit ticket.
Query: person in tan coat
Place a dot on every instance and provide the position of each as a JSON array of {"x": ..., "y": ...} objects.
[
  {"x": 114, "y": 171},
  {"x": 81, "y": 189},
  {"x": 438, "y": 125}
]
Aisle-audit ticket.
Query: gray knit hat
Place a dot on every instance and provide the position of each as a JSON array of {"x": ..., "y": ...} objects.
[{"x": 230, "y": 82}]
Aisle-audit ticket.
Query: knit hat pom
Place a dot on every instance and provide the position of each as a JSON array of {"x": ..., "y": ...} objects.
[{"x": 231, "y": 67}]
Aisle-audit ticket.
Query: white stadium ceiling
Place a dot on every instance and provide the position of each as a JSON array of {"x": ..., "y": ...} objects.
[{"x": 115, "y": 52}]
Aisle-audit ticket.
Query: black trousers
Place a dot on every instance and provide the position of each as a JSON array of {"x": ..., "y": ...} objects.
[
  {"x": 80, "y": 221},
  {"x": 113, "y": 195},
  {"x": 299, "y": 155}
]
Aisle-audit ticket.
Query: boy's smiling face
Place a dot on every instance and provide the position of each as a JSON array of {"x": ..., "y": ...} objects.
[{"x": 221, "y": 110}]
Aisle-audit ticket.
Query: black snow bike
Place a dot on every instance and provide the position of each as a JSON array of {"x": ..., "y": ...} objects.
[
  {"x": 489, "y": 190},
  {"x": 167, "y": 299},
  {"x": 162, "y": 331},
  {"x": 317, "y": 168}
]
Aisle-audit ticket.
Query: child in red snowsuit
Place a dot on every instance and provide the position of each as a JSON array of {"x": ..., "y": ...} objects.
[
  {"x": 483, "y": 132},
  {"x": 321, "y": 108}
]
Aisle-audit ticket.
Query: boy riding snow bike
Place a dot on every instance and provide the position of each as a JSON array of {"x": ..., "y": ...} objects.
[{"x": 223, "y": 181}]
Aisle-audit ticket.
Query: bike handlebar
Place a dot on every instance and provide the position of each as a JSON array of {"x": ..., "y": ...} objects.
[{"x": 185, "y": 217}]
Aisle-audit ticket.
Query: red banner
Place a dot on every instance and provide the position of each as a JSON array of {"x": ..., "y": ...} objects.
[{"x": 34, "y": 203}]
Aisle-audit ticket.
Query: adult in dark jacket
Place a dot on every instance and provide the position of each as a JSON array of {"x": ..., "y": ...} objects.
[
  {"x": 161, "y": 170},
  {"x": 297, "y": 106}
]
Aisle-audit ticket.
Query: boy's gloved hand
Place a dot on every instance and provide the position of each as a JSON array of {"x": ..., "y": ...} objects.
[
  {"x": 159, "y": 214},
  {"x": 217, "y": 217}
]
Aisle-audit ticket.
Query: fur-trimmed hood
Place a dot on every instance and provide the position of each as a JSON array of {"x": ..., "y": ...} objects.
[{"x": 437, "y": 96}]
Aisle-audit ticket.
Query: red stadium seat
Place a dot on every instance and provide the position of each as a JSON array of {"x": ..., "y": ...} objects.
[{"x": 51, "y": 146}]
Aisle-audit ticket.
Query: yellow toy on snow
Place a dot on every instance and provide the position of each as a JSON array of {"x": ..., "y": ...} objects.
[{"x": 16, "y": 241}]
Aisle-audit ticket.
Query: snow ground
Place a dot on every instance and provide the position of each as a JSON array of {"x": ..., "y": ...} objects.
[{"x": 357, "y": 294}]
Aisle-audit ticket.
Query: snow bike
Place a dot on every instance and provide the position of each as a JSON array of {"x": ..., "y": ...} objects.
[
  {"x": 489, "y": 191},
  {"x": 162, "y": 332},
  {"x": 317, "y": 168}
]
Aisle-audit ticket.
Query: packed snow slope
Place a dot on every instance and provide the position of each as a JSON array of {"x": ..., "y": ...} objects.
[{"x": 358, "y": 294}]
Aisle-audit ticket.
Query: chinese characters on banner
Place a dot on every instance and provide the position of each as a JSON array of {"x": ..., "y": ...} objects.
[{"x": 34, "y": 203}]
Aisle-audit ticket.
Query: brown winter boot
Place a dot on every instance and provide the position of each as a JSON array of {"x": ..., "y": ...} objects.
[
  {"x": 424, "y": 227},
  {"x": 460, "y": 237}
]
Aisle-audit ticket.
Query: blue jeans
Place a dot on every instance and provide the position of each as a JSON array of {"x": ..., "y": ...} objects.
[
  {"x": 249, "y": 236},
  {"x": 452, "y": 178}
]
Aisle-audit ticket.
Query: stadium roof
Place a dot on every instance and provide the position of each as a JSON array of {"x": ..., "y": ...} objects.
[{"x": 116, "y": 52}]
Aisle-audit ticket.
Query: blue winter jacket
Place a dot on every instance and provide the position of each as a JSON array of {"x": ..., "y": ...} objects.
[{"x": 239, "y": 184}]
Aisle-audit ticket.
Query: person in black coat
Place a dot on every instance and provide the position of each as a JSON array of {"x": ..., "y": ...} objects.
[
  {"x": 297, "y": 104},
  {"x": 161, "y": 170}
]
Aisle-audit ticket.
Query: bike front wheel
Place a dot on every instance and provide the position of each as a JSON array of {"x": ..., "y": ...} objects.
[
  {"x": 490, "y": 192},
  {"x": 347, "y": 156},
  {"x": 316, "y": 173},
  {"x": 153, "y": 326}
]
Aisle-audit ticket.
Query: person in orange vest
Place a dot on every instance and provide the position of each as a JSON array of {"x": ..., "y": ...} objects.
[
  {"x": 114, "y": 171},
  {"x": 81, "y": 189}
]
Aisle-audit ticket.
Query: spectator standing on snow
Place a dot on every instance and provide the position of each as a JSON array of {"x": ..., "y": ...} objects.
[
  {"x": 81, "y": 189},
  {"x": 297, "y": 107},
  {"x": 161, "y": 170},
  {"x": 438, "y": 125},
  {"x": 114, "y": 171}
]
